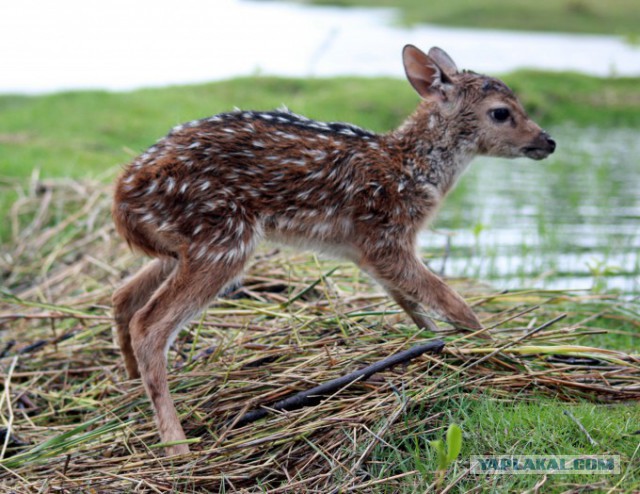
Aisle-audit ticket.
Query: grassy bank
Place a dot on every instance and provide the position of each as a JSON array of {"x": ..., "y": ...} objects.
[{"x": 620, "y": 17}]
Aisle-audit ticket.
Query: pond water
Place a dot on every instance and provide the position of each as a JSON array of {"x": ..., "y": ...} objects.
[{"x": 569, "y": 222}]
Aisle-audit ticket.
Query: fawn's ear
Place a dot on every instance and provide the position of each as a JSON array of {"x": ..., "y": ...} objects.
[
  {"x": 444, "y": 61},
  {"x": 430, "y": 75}
]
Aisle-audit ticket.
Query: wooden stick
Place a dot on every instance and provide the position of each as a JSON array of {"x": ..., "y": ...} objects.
[{"x": 314, "y": 395}]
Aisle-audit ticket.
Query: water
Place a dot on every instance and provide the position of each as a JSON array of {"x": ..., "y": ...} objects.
[
  {"x": 119, "y": 45},
  {"x": 569, "y": 222}
]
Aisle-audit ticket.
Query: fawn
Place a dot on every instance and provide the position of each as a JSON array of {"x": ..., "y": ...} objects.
[{"x": 202, "y": 197}]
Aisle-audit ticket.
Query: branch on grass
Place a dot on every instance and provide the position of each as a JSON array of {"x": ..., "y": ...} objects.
[{"x": 314, "y": 395}]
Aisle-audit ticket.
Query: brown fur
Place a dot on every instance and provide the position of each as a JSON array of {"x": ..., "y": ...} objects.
[{"x": 202, "y": 197}]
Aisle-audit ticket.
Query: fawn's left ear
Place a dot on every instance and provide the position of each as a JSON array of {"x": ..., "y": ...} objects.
[{"x": 430, "y": 75}]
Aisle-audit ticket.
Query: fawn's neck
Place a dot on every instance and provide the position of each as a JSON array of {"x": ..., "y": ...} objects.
[{"x": 437, "y": 146}]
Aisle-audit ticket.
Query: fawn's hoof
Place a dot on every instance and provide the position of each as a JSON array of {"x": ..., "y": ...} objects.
[{"x": 177, "y": 449}]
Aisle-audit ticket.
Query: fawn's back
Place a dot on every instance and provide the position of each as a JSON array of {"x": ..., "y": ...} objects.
[{"x": 222, "y": 180}]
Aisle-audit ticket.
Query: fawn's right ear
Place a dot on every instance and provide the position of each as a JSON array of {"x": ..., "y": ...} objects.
[{"x": 426, "y": 76}]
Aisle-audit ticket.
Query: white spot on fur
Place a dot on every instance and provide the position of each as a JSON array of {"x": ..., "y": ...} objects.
[
  {"x": 294, "y": 162},
  {"x": 373, "y": 145},
  {"x": 201, "y": 252},
  {"x": 291, "y": 137},
  {"x": 330, "y": 211},
  {"x": 152, "y": 187},
  {"x": 318, "y": 154},
  {"x": 303, "y": 196},
  {"x": 148, "y": 218},
  {"x": 215, "y": 257}
]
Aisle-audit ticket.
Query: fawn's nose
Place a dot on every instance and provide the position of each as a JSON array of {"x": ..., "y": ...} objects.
[{"x": 550, "y": 142}]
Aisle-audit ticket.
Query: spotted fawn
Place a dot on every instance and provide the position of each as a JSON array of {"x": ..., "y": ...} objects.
[{"x": 202, "y": 197}]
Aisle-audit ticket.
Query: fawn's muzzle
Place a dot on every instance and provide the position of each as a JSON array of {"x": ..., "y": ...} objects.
[{"x": 541, "y": 147}]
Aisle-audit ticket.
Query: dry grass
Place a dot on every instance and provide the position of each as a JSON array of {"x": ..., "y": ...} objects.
[{"x": 295, "y": 323}]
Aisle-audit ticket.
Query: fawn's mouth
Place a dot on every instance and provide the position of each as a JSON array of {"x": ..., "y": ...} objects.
[
  {"x": 543, "y": 146},
  {"x": 536, "y": 153}
]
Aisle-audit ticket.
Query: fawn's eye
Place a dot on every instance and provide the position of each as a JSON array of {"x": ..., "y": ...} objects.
[{"x": 500, "y": 114}]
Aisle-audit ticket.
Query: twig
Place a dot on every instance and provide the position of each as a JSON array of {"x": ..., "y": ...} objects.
[
  {"x": 371, "y": 483},
  {"x": 314, "y": 395},
  {"x": 455, "y": 481},
  {"x": 581, "y": 427}
]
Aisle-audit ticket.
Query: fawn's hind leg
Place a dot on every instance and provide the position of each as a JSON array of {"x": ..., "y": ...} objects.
[
  {"x": 187, "y": 290},
  {"x": 130, "y": 297}
]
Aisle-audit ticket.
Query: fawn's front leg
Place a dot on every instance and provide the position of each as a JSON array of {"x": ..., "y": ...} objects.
[
  {"x": 411, "y": 284},
  {"x": 415, "y": 311}
]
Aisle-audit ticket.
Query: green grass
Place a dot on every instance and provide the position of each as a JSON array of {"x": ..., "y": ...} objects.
[
  {"x": 517, "y": 427},
  {"x": 576, "y": 16},
  {"x": 554, "y": 98}
]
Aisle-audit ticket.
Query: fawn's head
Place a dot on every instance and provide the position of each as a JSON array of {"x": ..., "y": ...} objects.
[{"x": 491, "y": 115}]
